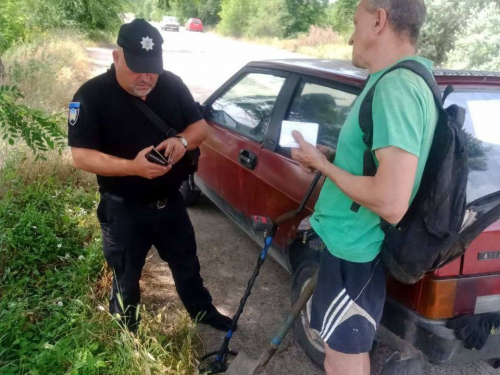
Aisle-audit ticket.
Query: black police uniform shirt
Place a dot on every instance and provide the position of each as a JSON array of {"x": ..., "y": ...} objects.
[{"x": 104, "y": 118}]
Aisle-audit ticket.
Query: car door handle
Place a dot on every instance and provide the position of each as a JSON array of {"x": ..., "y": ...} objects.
[{"x": 248, "y": 159}]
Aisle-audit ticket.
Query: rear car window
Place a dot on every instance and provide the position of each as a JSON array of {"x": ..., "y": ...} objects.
[
  {"x": 247, "y": 106},
  {"x": 323, "y": 105},
  {"x": 197, "y": 22},
  {"x": 482, "y": 124}
]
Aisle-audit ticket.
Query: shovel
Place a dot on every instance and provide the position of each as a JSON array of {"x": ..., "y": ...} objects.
[{"x": 244, "y": 365}]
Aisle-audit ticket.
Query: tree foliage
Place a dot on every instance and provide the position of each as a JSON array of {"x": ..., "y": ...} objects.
[
  {"x": 452, "y": 23},
  {"x": 478, "y": 43},
  {"x": 341, "y": 14},
  {"x": 304, "y": 13},
  {"x": 235, "y": 16},
  {"x": 269, "y": 20},
  {"x": 41, "y": 132}
]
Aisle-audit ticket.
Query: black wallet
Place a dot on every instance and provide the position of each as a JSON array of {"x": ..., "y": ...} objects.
[{"x": 154, "y": 156}]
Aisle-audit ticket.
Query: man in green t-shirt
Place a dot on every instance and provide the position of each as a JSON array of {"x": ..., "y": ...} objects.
[{"x": 349, "y": 299}]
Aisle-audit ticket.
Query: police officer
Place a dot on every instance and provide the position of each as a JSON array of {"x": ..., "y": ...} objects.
[{"x": 140, "y": 202}]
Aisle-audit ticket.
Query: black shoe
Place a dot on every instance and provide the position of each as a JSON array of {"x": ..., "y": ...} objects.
[{"x": 214, "y": 319}]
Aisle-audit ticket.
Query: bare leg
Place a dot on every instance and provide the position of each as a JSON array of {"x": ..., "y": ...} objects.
[{"x": 337, "y": 363}]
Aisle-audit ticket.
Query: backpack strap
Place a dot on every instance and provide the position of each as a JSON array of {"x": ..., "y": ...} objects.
[{"x": 366, "y": 113}]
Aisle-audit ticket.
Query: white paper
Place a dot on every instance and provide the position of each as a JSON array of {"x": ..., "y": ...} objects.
[{"x": 309, "y": 131}]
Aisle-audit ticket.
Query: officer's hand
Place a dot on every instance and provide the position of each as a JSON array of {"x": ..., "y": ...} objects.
[
  {"x": 144, "y": 168},
  {"x": 174, "y": 148}
]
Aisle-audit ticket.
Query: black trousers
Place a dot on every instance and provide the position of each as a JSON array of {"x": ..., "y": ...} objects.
[{"x": 129, "y": 231}]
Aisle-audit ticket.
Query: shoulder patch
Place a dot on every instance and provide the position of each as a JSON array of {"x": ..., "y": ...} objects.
[{"x": 74, "y": 111}]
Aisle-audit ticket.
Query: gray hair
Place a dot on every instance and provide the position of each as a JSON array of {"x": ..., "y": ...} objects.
[{"x": 405, "y": 16}]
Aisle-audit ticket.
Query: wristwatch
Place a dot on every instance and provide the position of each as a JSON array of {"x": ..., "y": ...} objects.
[{"x": 183, "y": 140}]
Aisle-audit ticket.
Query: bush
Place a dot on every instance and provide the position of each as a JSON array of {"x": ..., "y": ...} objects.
[
  {"x": 340, "y": 16},
  {"x": 269, "y": 19},
  {"x": 304, "y": 13},
  {"x": 49, "y": 69},
  {"x": 235, "y": 16},
  {"x": 43, "y": 75},
  {"x": 478, "y": 43},
  {"x": 54, "y": 285}
]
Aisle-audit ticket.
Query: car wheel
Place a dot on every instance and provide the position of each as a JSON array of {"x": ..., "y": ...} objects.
[
  {"x": 190, "y": 192},
  {"x": 309, "y": 339}
]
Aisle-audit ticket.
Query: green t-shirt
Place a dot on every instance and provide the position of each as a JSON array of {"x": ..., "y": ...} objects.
[{"x": 404, "y": 116}]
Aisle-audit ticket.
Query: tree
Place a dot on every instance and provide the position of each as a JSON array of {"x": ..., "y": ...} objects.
[
  {"x": 235, "y": 15},
  {"x": 208, "y": 11},
  {"x": 446, "y": 20},
  {"x": 304, "y": 13},
  {"x": 269, "y": 19},
  {"x": 341, "y": 15},
  {"x": 478, "y": 43},
  {"x": 40, "y": 131}
]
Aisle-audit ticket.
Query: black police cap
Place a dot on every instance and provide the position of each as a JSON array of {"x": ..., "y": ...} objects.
[{"x": 142, "y": 46}]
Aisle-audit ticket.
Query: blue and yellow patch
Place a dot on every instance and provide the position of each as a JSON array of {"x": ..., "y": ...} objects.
[{"x": 74, "y": 111}]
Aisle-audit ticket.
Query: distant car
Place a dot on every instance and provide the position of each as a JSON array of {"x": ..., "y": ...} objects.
[
  {"x": 245, "y": 172},
  {"x": 194, "y": 24},
  {"x": 170, "y": 23}
]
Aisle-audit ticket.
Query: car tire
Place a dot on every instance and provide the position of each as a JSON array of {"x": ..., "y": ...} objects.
[
  {"x": 309, "y": 340},
  {"x": 191, "y": 196}
]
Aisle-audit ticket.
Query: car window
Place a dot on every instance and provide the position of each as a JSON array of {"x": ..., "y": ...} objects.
[
  {"x": 483, "y": 130},
  {"x": 323, "y": 105},
  {"x": 248, "y": 105},
  {"x": 197, "y": 22}
]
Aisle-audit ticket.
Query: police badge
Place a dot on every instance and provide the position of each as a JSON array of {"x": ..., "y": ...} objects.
[{"x": 74, "y": 111}]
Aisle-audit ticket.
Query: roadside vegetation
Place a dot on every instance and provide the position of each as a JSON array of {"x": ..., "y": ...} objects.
[
  {"x": 461, "y": 34},
  {"x": 54, "y": 284}
]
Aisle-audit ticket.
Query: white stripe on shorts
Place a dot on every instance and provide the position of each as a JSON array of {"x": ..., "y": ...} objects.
[
  {"x": 332, "y": 305},
  {"x": 334, "y": 314},
  {"x": 339, "y": 319}
]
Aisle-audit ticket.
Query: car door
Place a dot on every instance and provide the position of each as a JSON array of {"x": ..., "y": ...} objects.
[
  {"x": 238, "y": 115},
  {"x": 282, "y": 182}
]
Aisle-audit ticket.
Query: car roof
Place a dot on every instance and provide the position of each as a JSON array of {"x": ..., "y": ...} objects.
[{"x": 345, "y": 71}]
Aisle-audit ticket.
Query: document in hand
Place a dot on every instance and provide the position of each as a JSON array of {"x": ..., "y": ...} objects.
[{"x": 309, "y": 131}]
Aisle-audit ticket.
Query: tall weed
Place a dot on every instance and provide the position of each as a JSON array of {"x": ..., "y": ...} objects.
[
  {"x": 48, "y": 70},
  {"x": 54, "y": 284}
]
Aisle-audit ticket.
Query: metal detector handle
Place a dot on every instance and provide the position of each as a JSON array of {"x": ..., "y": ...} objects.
[{"x": 290, "y": 214}]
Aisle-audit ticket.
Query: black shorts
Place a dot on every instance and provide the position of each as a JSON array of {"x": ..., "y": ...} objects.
[{"x": 348, "y": 302}]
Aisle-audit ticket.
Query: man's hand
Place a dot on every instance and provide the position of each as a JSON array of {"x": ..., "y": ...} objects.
[
  {"x": 327, "y": 151},
  {"x": 174, "y": 148},
  {"x": 307, "y": 155},
  {"x": 142, "y": 167}
]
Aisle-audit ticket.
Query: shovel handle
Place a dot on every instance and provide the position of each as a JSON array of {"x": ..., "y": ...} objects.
[
  {"x": 295, "y": 311},
  {"x": 287, "y": 324}
]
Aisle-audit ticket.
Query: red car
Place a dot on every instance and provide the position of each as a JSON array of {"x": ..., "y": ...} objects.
[
  {"x": 245, "y": 172},
  {"x": 194, "y": 24}
]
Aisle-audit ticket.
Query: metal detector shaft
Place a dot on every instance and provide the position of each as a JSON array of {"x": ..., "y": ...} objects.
[
  {"x": 222, "y": 354},
  {"x": 219, "y": 364}
]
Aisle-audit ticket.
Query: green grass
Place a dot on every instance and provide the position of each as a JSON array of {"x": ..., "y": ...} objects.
[{"x": 54, "y": 285}]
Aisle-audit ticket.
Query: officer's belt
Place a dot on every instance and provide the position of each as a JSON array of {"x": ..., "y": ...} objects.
[{"x": 158, "y": 204}]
